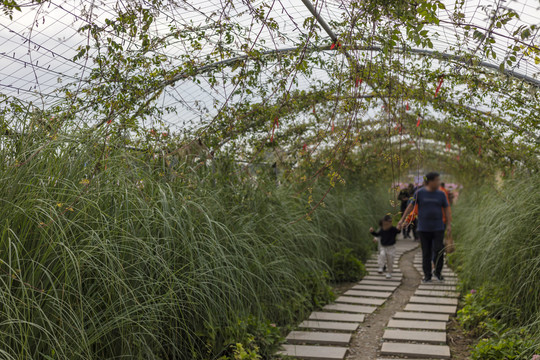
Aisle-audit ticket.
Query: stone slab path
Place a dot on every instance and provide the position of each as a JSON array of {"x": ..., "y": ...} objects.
[
  {"x": 419, "y": 330},
  {"x": 327, "y": 333}
]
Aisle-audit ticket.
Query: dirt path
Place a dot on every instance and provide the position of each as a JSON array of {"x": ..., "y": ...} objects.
[{"x": 366, "y": 342}]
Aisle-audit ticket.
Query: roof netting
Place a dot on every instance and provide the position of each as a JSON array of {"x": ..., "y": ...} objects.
[{"x": 201, "y": 59}]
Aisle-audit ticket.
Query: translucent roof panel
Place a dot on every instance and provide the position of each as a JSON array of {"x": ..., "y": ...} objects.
[{"x": 38, "y": 46}]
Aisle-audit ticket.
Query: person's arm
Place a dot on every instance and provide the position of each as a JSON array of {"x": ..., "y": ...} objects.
[
  {"x": 373, "y": 232},
  {"x": 408, "y": 210},
  {"x": 448, "y": 215}
]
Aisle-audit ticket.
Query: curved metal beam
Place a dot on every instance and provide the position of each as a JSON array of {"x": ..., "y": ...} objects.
[
  {"x": 462, "y": 59},
  {"x": 422, "y": 52}
]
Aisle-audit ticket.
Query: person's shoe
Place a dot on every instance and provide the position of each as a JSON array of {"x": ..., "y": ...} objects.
[
  {"x": 426, "y": 281},
  {"x": 439, "y": 278},
  {"x": 388, "y": 275},
  {"x": 380, "y": 271}
]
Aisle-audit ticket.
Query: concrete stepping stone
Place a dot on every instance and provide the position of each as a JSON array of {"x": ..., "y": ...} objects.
[
  {"x": 329, "y": 316},
  {"x": 421, "y": 316},
  {"x": 447, "y": 281},
  {"x": 437, "y": 287},
  {"x": 376, "y": 267},
  {"x": 360, "y": 300},
  {"x": 365, "y": 293},
  {"x": 383, "y": 282},
  {"x": 417, "y": 324},
  {"x": 314, "y": 352},
  {"x": 433, "y": 300},
  {"x": 383, "y": 277},
  {"x": 374, "y": 287},
  {"x": 396, "y": 276},
  {"x": 438, "y": 309},
  {"x": 375, "y": 270},
  {"x": 437, "y": 293},
  {"x": 329, "y": 325},
  {"x": 359, "y": 309},
  {"x": 316, "y": 337},
  {"x": 417, "y": 350},
  {"x": 436, "y": 337}
]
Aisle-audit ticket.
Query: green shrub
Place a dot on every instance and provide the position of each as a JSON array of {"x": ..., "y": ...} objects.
[
  {"x": 497, "y": 340},
  {"x": 476, "y": 316},
  {"x": 243, "y": 352},
  {"x": 346, "y": 267},
  {"x": 506, "y": 347},
  {"x": 250, "y": 338}
]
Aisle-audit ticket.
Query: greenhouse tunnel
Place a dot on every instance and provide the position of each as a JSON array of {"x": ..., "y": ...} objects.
[{"x": 190, "y": 179}]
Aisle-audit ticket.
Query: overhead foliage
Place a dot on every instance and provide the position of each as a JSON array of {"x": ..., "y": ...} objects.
[{"x": 384, "y": 84}]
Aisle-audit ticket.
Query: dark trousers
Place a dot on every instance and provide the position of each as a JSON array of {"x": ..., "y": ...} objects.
[
  {"x": 432, "y": 249},
  {"x": 412, "y": 227}
]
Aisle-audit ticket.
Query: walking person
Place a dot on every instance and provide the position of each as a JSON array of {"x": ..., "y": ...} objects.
[
  {"x": 403, "y": 197},
  {"x": 387, "y": 245},
  {"x": 432, "y": 203}
]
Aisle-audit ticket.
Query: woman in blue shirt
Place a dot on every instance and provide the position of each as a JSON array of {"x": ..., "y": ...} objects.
[{"x": 431, "y": 205}]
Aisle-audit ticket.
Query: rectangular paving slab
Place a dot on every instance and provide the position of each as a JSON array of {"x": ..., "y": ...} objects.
[
  {"x": 329, "y": 325},
  {"x": 420, "y": 316},
  {"x": 376, "y": 275},
  {"x": 317, "y": 337},
  {"x": 360, "y": 309},
  {"x": 383, "y": 282},
  {"x": 329, "y": 316},
  {"x": 376, "y": 266},
  {"x": 417, "y": 324},
  {"x": 360, "y": 300},
  {"x": 375, "y": 272},
  {"x": 437, "y": 287},
  {"x": 437, "y": 293},
  {"x": 438, "y": 309},
  {"x": 436, "y": 337},
  {"x": 374, "y": 287},
  {"x": 393, "y": 280},
  {"x": 314, "y": 352},
  {"x": 415, "y": 350},
  {"x": 433, "y": 300},
  {"x": 366, "y": 293}
]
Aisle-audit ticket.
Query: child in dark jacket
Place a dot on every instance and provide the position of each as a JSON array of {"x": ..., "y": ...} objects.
[{"x": 387, "y": 249}]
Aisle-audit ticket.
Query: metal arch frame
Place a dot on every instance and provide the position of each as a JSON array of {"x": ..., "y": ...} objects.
[
  {"x": 430, "y": 53},
  {"x": 422, "y": 52},
  {"x": 333, "y": 37}
]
